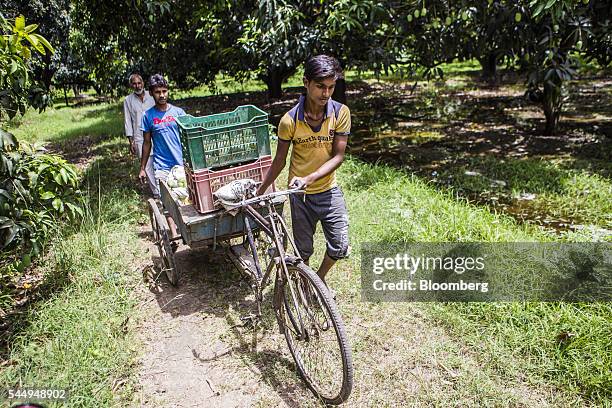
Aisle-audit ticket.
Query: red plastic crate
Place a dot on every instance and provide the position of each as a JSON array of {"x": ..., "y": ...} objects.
[{"x": 203, "y": 183}]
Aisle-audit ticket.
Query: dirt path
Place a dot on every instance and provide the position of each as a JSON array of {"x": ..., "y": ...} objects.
[{"x": 197, "y": 354}]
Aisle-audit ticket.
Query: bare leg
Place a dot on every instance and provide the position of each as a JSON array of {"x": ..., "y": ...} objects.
[
  {"x": 326, "y": 265},
  {"x": 173, "y": 230}
]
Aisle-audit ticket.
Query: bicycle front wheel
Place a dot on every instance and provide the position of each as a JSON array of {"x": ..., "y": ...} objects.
[{"x": 309, "y": 318}]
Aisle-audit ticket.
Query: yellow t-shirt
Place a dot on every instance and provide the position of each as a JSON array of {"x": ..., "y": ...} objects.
[{"x": 313, "y": 147}]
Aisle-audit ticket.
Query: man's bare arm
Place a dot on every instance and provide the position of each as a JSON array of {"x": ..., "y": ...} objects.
[
  {"x": 278, "y": 164},
  {"x": 338, "y": 150},
  {"x": 146, "y": 152}
]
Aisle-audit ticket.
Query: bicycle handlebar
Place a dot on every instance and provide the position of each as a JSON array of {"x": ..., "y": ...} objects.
[{"x": 263, "y": 197}]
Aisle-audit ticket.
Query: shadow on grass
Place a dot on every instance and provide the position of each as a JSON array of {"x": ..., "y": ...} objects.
[
  {"x": 440, "y": 134},
  {"x": 533, "y": 189}
]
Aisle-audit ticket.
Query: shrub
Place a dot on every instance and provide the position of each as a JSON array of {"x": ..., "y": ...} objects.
[{"x": 36, "y": 190}]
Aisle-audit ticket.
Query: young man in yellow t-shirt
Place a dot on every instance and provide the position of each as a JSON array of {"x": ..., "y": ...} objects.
[{"x": 318, "y": 128}]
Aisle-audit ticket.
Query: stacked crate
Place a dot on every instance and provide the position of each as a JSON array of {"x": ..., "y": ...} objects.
[{"x": 223, "y": 147}]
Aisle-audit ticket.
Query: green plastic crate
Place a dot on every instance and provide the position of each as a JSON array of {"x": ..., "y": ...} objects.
[{"x": 224, "y": 139}]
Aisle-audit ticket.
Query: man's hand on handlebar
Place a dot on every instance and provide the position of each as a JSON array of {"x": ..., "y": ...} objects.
[{"x": 299, "y": 183}]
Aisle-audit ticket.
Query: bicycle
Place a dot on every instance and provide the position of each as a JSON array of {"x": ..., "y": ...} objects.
[
  {"x": 306, "y": 313},
  {"x": 305, "y": 310}
]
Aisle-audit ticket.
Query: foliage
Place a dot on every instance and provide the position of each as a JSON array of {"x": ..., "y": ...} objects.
[
  {"x": 556, "y": 28},
  {"x": 278, "y": 36},
  {"x": 16, "y": 88},
  {"x": 35, "y": 190},
  {"x": 599, "y": 46},
  {"x": 541, "y": 35},
  {"x": 184, "y": 41},
  {"x": 53, "y": 18}
]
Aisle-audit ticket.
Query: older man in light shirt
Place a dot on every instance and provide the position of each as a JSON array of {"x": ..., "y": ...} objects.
[{"x": 134, "y": 106}]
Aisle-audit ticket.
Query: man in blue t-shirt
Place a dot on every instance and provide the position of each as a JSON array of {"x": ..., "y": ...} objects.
[{"x": 159, "y": 125}]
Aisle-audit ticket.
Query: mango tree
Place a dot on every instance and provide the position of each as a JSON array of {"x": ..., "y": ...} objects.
[
  {"x": 544, "y": 35},
  {"x": 35, "y": 187},
  {"x": 54, "y": 24},
  {"x": 554, "y": 31},
  {"x": 17, "y": 90}
]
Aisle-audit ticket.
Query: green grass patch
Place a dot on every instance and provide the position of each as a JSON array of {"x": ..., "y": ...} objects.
[
  {"x": 514, "y": 340},
  {"x": 460, "y": 67},
  {"x": 560, "y": 191},
  {"x": 569, "y": 345},
  {"x": 79, "y": 337},
  {"x": 65, "y": 123}
]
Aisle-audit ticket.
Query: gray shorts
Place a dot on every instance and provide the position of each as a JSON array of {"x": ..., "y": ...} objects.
[{"x": 327, "y": 207}]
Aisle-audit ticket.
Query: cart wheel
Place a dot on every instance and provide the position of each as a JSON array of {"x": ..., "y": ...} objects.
[{"x": 161, "y": 236}]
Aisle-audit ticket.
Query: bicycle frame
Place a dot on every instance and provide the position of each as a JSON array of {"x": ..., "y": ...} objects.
[
  {"x": 274, "y": 226},
  {"x": 305, "y": 311}
]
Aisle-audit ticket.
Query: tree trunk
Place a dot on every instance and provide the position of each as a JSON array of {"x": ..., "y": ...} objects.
[
  {"x": 488, "y": 63},
  {"x": 552, "y": 104},
  {"x": 340, "y": 91},
  {"x": 47, "y": 72},
  {"x": 274, "y": 82},
  {"x": 274, "y": 79},
  {"x": 65, "y": 95}
]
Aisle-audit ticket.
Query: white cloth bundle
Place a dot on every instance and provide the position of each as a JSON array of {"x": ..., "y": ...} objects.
[{"x": 237, "y": 190}]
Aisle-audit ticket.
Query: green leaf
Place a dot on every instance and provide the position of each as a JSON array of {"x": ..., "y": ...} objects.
[
  {"x": 75, "y": 209},
  {"x": 6, "y": 222},
  {"x": 44, "y": 42},
  {"x": 64, "y": 175},
  {"x": 538, "y": 10},
  {"x": 9, "y": 236},
  {"x": 13, "y": 67},
  {"x": 36, "y": 44},
  {"x": 20, "y": 23},
  {"x": 33, "y": 178},
  {"x": 30, "y": 28},
  {"x": 47, "y": 195},
  {"x": 27, "y": 54},
  {"x": 550, "y": 4},
  {"x": 57, "y": 204},
  {"x": 26, "y": 260},
  {"x": 5, "y": 195},
  {"x": 7, "y": 140},
  {"x": 7, "y": 166}
]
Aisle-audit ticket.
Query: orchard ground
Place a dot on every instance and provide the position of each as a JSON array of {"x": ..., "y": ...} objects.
[{"x": 452, "y": 161}]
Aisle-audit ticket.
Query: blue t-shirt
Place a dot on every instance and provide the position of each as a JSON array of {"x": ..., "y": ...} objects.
[{"x": 167, "y": 151}]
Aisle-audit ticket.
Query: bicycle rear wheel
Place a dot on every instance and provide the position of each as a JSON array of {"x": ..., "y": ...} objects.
[{"x": 308, "y": 317}]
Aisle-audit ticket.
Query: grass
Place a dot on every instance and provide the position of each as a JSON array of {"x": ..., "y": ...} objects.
[
  {"x": 537, "y": 333},
  {"x": 64, "y": 123},
  {"x": 562, "y": 193},
  {"x": 79, "y": 338},
  {"x": 227, "y": 85},
  {"x": 513, "y": 340}
]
